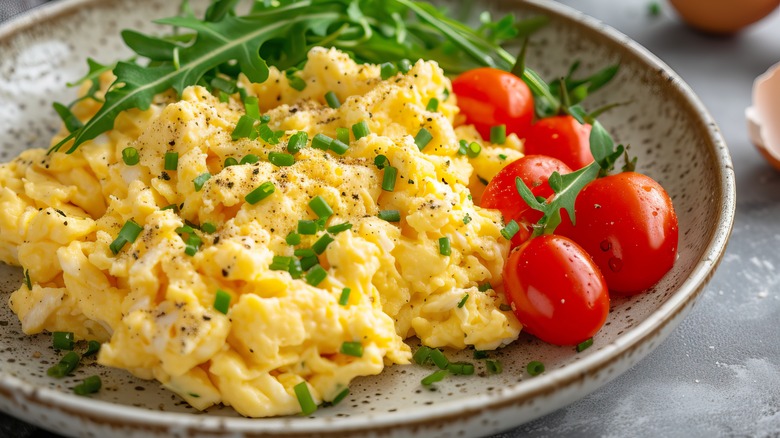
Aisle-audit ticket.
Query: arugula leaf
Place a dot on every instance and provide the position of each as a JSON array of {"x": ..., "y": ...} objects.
[{"x": 281, "y": 33}]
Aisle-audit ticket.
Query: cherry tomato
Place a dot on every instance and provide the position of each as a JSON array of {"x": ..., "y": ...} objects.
[
  {"x": 501, "y": 193},
  {"x": 490, "y": 97},
  {"x": 556, "y": 290},
  {"x": 627, "y": 223},
  {"x": 562, "y": 137}
]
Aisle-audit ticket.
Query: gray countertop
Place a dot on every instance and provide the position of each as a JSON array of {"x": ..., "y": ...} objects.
[{"x": 718, "y": 374}]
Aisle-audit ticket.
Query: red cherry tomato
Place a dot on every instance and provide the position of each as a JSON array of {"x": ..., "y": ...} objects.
[
  {"x": 562, "y": 137},
  {"x": 490, "y": 97},
  {"x": 627, "y": 223},
  {"x": 501, "y": 193},
  {"x": 556, "y": 291}
]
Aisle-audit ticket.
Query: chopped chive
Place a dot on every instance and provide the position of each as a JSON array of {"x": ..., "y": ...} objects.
[
  {"x": 502, "y": 156},
  {"x": 293, "y": 238},
  {"x": 480, "y": 354},
  {"x": 360, "y": 130},
  {"x": 505, "y": 307},
  {"x": 230, "y": 161},
  {"x": 498, "y": 134},
  {"x": 380, "y": 161},
  {"x": 200, "y": 180},
  {"x": 439, "y": 359},
  {"x": 321, "y": 223},
  {"x": 339, "y": 147},
  {"x": 461, "y": 368},
  {"x": 320, "y": 207},
  {"x": 433, "y": 105},
  {"x": 171, "y": 160},
  {"x": 295, "y": 269},
  {"x": 269, "y": 135},
  {"x": 404, "y": 66},
  {"x": 445, "y": 94},
  {"x": 584, "y": 345},
  {"x": 222, "y": 301},
  {"x": 251, "y": 107},
  {"x": 304, "y": 398},
  {"x": 494, "y": 366},
  {"x": 92, "y": 348},
  {"x": 510, "y": 230},
  {"x": 281, "y": 159},
  {"x": 388, "y": 179},
  {"x": 225, "y": 85},
  {"x": 352, "y": 349},
  {"x": 265, "y": 190},
  {"x": 342, "y": 134},
  {"x": 462, "y": 301},
  {"x": 62, "y": 340},
  {"x": 473, "y": 150},
  {"x": 322, "y": 243},
  {"x": 130, "y": 156},
  {"x": 244, "y": 128},
  {"x": 307, "y": 227},
  {"x": 444, "y": 247},
  {"x": 463, "y": 147},
  {"x": 192, "y": 245},
  {"x": 332, "y": 100},
  {"x": 654, "y": 9},
  {"x": 224, "y": 97},
  {"x": 466, "y": 219},
  {"x": 305, "y": 252},
  {"x": 390, "y": 215},
  {"x": 296, "y": 82},
  {"x": 250, "y": 159},
  {"x": 186, "y": 229},
  {"x": 422, "y": 138},
  {"x": 484, "y": 287},
  {"x": 90, "y": 385},
  {"x": 65, "y": 366},
  {"x": 436, "y": 376},
  {"x": 344, "y": 298},
  {"x": 321, "y": 141},
  {"x": 208, "y": 227},
  {"x": 280, "y": 263},
  {"x": 422, "y": 355},
  {"x": 335, "y": 229},
  {"x": 388, "y": 70},
  {"x": 315, "y": 275},
  {"x": 483, "y": 180},
  {"x": 129, "y": 232},
  {"x": 535, "y": 368},
  {"x": 173, "y": 207},
  {"x": 309, "y": 262},
  {"x": 297, "y": 142},
  {"x": 27, "y": 281},
  {"x": 341, "y": 396}
]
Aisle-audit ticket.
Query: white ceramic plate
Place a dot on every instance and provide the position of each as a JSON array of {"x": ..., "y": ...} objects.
[{"x": 667, "y": 127}]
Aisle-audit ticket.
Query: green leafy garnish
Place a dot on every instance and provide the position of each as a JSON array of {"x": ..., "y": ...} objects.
[
  {"x": 568, "y": 186},
  {"x": 224, "y": 44}
]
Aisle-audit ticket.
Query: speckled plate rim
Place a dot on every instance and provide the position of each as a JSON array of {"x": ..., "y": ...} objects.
[{"x": 628, "y": 347}]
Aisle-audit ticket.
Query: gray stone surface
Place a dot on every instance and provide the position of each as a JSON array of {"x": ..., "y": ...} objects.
[{"x": 719, "y": 372}]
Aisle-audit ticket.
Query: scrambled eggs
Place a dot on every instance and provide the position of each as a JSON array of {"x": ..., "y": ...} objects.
[{"x": 152, "y": 304}]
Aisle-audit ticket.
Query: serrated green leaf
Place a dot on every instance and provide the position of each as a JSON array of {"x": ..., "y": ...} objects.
[
  {"x": 72, "y": 123},
  {"x": 156, "y": 49},
  {"x": 601, "y": 144}
]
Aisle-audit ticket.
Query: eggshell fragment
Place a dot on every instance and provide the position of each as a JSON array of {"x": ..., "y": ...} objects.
[{"x": 764, "y": 116}]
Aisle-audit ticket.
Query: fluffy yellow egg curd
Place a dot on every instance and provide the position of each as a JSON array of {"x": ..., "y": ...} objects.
[{"x": 157, "y": 304}]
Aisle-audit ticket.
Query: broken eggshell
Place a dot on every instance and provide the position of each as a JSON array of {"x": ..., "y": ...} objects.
[{"x": 763, "y": 117}]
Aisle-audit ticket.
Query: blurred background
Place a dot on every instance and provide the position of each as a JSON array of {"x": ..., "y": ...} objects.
[{"x": 718, "y": 374}]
